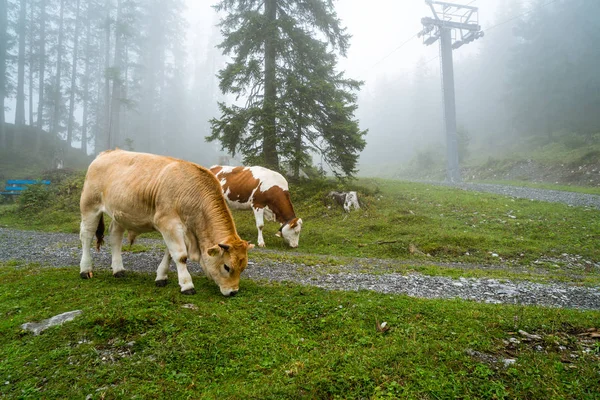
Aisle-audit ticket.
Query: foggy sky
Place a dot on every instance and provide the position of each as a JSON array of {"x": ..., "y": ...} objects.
[
  {"x": 377, "y": 28},
  {"x": 382, "y": 50}
]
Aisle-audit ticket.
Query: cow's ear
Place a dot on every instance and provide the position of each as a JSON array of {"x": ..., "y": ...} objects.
[
  {"x": 224, "y": 246},
  {"x": 215, "y": 251}
]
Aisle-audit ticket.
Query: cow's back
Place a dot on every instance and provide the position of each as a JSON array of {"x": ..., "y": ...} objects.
[
  {"x": 122, "y": 180},
  {"x": 133, "y": 187},
  {"x": 241, "y": 183}
]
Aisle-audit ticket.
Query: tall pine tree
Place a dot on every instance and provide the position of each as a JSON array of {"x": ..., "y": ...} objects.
[
  {"x": 284, "y": 67},
  {"x": 3, "y": 54}
]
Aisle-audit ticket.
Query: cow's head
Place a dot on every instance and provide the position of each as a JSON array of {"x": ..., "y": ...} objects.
[
  {"x": 291, "y": 232},
  {"x": 224, "y": 262}
]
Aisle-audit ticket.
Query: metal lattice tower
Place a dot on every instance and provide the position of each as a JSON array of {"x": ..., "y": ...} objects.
[{"x": 455, "y": 25}]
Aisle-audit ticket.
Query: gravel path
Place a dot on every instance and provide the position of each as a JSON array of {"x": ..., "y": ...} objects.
[
  {"x": 60, "y": 249},
  {"x": 553, "y": 196}
]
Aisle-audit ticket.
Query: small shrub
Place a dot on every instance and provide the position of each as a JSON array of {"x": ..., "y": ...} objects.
[
  {"x": 590, "y": 157},
  {"x": 36, "y": 197},
  {"x": 57, "y": 176}
]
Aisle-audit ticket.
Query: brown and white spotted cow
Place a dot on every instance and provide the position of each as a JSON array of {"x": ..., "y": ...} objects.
[
  {"x": 183, "y": 201},
  {"x": 266, "y": 193}
]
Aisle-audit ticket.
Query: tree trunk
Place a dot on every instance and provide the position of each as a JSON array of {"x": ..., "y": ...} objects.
[
  {"x": 298, "y": 148},
  {"x": 86, "y": 84},
  {"x": 107, "y": 144},
  {"x": 271, "y": 159},
  {"x": 57, "y": 89},
  {"x": 99, "y": 132},
  {"x": 20, "y": 105},
  {"x": 42, "y": 55},
  {"x": 151, "y": 101},
  {"x": 98, "y": 139},
  {"x": 73, "y": 80},
  {"x": 116, "y": 90},
  {"x": 160, "y": 101},
  {"x": 30, "y": 66},
  {"x": 124, "y": 125},
  {"x": 3, "y": 27}
]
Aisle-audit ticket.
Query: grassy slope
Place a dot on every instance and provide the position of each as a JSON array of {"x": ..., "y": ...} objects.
[
  {"x": 563, "y": 161},
  {"x": 277, "y": 341}
]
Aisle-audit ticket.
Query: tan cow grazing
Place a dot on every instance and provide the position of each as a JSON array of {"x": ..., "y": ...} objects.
[
  {"x": 266, "y": 193},
  {"x": 183, "y": 201}
]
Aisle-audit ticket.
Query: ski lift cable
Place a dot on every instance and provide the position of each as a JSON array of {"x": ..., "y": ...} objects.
[
  {"x": 392, "y": 52},
  {"x": 520, "y": 15}
]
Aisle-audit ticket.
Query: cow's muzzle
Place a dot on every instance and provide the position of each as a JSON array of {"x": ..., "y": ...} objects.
[{"x": 229, "y": 292}]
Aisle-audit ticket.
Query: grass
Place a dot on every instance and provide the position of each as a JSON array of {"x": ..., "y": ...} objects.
[
  {"x": 411, "y": 222},
  {"x": 134, "y": 340}
]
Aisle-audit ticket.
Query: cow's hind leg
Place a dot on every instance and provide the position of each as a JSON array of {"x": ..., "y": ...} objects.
[
  {"x": 91, "y": 222},
  {"x": 116, "y": 243},
  {"x": 163, "y": 268},
  {"x": 260, "y": 223},
  {"x": 173, "y": 236}
]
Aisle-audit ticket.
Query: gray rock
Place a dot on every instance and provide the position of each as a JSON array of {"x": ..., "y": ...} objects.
[
  {"x": 508, "y": 361},
  {"x": 38, "y": 327}
]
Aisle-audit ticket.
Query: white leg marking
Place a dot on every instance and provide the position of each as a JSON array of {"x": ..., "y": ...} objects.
[
  {"x": 176, "y": 247},
  {"x": 87, "y": 229},
  {"x": 259, "y": 217},
  {"x": 163, "y": 267},
  {"x": 116, "y": 243}
]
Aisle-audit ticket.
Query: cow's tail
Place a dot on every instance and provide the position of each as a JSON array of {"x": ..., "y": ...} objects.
[
  {"x": 131, "y": 236},
  {"x": 100, "y": 232}
]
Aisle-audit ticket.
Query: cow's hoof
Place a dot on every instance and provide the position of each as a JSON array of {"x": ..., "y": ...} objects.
[
  {"x": 189, "y": 291},
  {"x": 120, "y": 274},
  {"x": 86, "y": 275},
  {"x": 261, "y": 245},
  {"x": 161, "y": 283}
]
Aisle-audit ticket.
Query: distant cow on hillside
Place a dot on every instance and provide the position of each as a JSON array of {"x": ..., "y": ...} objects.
[
  {"x": 348, "y": 200},
  {"x": 266, "y": 193}
]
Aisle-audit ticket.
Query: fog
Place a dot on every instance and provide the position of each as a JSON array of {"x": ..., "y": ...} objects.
[
  {"x": 400, "y": 102},
  {"x": 533, "y": 74}
]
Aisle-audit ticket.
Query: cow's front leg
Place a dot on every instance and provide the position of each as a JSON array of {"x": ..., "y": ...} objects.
[
  {"x": 176, "y": 246},
  {"x": 260, "y": 223},
  {"x": 116, "y": 243},
  {"x": 163, "y": 268}
]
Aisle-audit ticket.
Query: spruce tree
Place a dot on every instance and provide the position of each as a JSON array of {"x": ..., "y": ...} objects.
[{"x": 295, "y": 102}]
